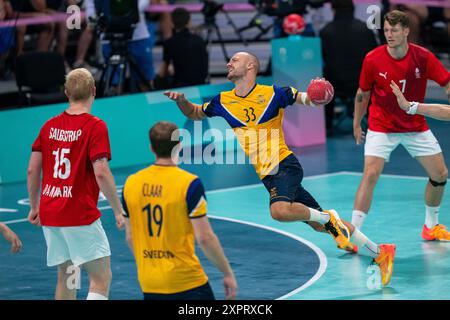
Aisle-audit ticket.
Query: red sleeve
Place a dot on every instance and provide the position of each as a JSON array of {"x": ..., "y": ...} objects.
[
  {"x": 436, "y": 71},
  {"x": 366, "y": 76},
  {"x": 37, "y": 145},
  {"x": 99, "y": 144}
]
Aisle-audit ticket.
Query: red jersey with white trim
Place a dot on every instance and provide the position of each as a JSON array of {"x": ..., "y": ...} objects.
[
  {"x": 411, "y": 74},
  {"x": 69, "y": 191}
]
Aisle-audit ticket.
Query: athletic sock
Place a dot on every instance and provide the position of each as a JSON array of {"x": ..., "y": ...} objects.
[
  {"x": 431, "y": 216},
  {"x": 316, "y": 215},
  {"x": 365, "y": 245},
  {"x": 95, "y": 296},
  {"x": 358, "y": 218}
]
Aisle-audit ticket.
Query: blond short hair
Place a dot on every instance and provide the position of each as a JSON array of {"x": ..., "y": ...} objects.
[{"x": 79, "y": 84}]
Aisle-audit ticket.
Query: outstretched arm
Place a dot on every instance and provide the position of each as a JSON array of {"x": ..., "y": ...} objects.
[
  {"x": 436, "y": 111},
  {"x": 191, "y": 110}
]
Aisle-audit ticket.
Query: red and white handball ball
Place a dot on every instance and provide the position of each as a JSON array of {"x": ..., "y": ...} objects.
[
  {"x": 293, "y": 24},
  {"x": 320, "y": 91}
]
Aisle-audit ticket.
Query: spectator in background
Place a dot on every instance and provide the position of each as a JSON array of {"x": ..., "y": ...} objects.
[
  {"x": 84, "y": 42},
  {"x": 345, "y": 42},
  {"x": 7, "y": 36},
  {"x": 162, "y": 19},
  {"x": 186, "y": 51},
  {"x": 62, "y": 33},
  {"x": 32, "y": 8}
]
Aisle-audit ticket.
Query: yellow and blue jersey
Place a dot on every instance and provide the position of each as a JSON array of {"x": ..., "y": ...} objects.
[
  {"x": 257, "y": 122},
  {"x": 160, "y": 201}
]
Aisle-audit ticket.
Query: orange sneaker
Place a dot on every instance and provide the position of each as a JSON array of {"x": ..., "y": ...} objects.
[
  {"x": 338, "y": 230},
  {"x": 385, "y": 261},
  {"x": 438, "y": 232}
]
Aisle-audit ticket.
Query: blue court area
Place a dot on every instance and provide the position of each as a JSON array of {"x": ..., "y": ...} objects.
[{"x": 272, "y": 260}]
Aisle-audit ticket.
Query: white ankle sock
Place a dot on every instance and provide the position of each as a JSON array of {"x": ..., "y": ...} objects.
[
  {"x": 431, "y": 216},
  {"x": 95, "y": 296},
  {"x": 316, "y": 215},
  {"x": 358, "y": 218},
  {"x": 365, "y": 245}
]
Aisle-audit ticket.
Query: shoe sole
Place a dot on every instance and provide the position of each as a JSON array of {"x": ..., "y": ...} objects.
[
  {"x": 340, "y": 225},
  {"x": 392, "y": 250}
]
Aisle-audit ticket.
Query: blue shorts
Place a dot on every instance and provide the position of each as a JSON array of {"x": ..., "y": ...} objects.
[
  {"x": 204, "y": 292},
  {"x": 141, "y": 52},
  {"x": 286, "y": 185}
]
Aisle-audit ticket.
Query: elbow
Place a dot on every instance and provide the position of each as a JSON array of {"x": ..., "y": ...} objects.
[
  {"x": 192, "y": 116},
  {"x": 204, "y": 240},
  {"x": 101, "y": 174},
  {"x": 32, "y": 172}
]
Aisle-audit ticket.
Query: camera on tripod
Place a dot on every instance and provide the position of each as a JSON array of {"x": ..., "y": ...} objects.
[
  {"x": 210, "y": 9},
  {"x": 116, "y": 18}
]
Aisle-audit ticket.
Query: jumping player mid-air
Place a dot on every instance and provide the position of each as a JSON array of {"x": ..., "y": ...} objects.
[{"x": 255, "y": 112}]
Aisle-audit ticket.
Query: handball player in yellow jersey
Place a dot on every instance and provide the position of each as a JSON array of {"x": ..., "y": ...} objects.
[
  {"x": 166, "y": 211},
  {"x": 253, "y": 110}
]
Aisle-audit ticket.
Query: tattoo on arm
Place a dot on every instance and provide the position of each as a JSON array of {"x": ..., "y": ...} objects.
[{"x": 359, "y": 97}]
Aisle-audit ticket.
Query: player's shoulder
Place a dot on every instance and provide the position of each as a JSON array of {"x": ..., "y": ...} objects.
[
  {"x": 376, "y": 54},
  {"x": 135, "y": 178},
  {"x": 419, "y": 50},
  {"x": 54, "y": 119},
  {"x": 186, "y": 176},
  {"x": 96, "y": 120}
]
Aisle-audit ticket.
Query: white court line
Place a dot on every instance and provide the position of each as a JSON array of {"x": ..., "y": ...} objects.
[
  {"x": 322, "y": 258},
  {"x": 15, "y": 221},
  {"x": 7, "y": 210}
]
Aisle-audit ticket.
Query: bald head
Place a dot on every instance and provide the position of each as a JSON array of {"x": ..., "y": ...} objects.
[
  {"x": 251, "y": 60},
  {"x": 241, "y": 65}
]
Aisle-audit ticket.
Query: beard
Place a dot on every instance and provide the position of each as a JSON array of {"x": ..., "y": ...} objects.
[{"x": 234, "y": 76}]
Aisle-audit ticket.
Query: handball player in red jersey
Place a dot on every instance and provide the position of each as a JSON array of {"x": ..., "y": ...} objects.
[
  {"x": 72, "y": 150},
  {"x": 409, "y": 66}
]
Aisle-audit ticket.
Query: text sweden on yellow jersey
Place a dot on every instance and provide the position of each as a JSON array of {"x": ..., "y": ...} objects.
[
  {"x": 160, "y": 201},
  {"x": 257, "y": 122}
]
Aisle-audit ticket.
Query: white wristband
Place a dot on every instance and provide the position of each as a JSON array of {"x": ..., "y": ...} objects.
[
  {"x": 412, "y": 108},
  {"x": 303, "y": 96}
]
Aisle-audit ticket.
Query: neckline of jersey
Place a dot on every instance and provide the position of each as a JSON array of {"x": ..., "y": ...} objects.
[
  {"x": 165, "y": 165},
  {"x": 401, "y": 59},
  {"x": 74, "y": 114},
  {"x": 247, "y": 93}
]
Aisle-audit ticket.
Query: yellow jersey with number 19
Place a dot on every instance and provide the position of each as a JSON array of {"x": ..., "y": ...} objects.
[{"x": 160, "y": 201}]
